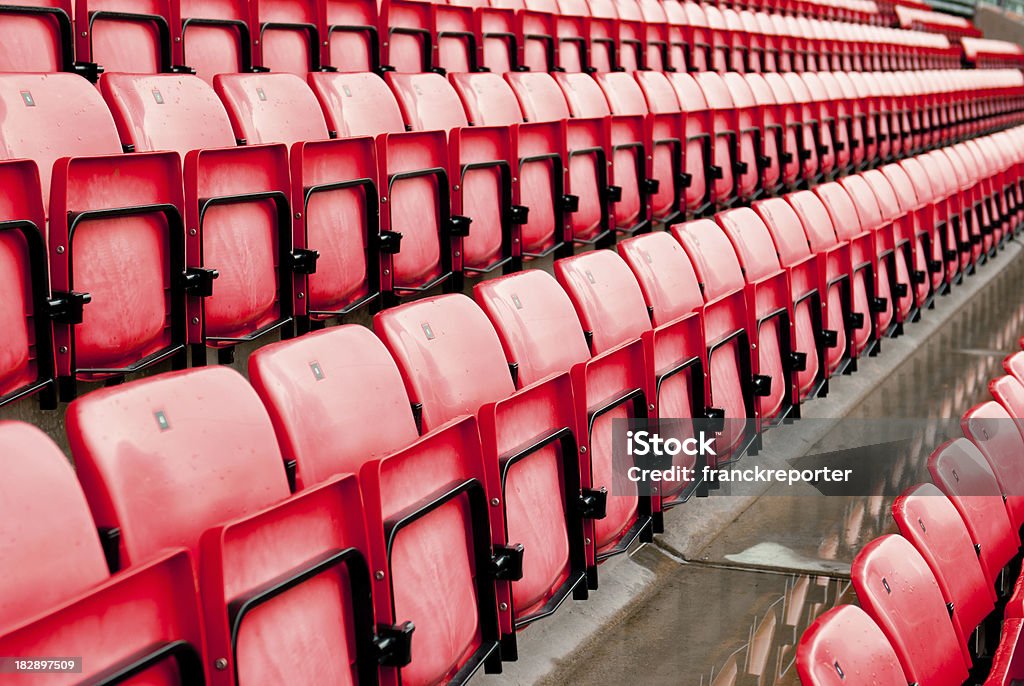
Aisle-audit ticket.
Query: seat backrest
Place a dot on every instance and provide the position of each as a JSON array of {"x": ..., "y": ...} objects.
[
  {"x": 997, "y": 435},
  {"x": 165, "y": 458},
  {"x": 844, "y": 647},
  {"x": 623, "y": 93},
  {"x": 712, "y": 255},
  {"x": 540, "y": 98},
  {"x": 928, "y": 519},
  {"x": 896, "y": 588},
  {"x": 783, "y": 223},
  {"x": 166, "y": 112},
  {"x": 844, "y": 212},
  {"x": 42, "y": 502},
  {"x": 584, "y": 96},
  {"x": 871, "y": 209},
  {"x": 689, "y": 94},
  {"x": 357, "y": 104},
  {"x": 901, "y": 184},
  {"x": 657, "y": 91},
  {"x": 752, "y": 242},
  {"x": 538, "y": 326},
  {"x": 449, "y": 355},
  {"x": 487, "y": 99},
  {"x": 607, "y": 297},
  {"x": 428, "y": 102},
  {"x": 211, "y": 39},
  {"x": 37, "y": 124},
  {"x": 1014, "y": 365},
  {"x": 37, "y": 36},
  {"x": 959, "y": 469},
  {"x": 271, "y": 108},
  {"x": 1009, "y": 391},
  {"x": 665, "y": 274},
  {"x": 816, "y": 218},
  {"x": 336, "y": 399},
  {"x": 923, "y": 183},
  {"x": 126, "y": 35}
]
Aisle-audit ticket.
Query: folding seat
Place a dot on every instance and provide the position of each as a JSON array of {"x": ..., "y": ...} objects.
[
  {"x": 751, "y": 155},
  {"x": 846, "y": 289},
  {"x": 787, "y": 340},
  {"x": 753, "y": 43},
  {"x": 103, "y": 326},
  {"x": 804, "y": 123},
  {"x": 216, "y": 38},
  {"x": 1014, "y": 366},
  {"x": 969, "y": 216},
  {"x": 54, "y": 598},
  {"x": 418, "y": 232},
  {"x": 37, "y": 36},
  {"x": 739, "y": 41},
  {"x": 351, "y": 40},
  {"x": 720, "y": 40},
  {"x": 233, "y": 196},
  {"x": 660, "y": 55},
  {"x": 312, "y": 411},
  {"x": 419, "y": 36},
  {"x": 649, "y": 93},
  {"x": 927, "y": 519},
  {"x": 481, "y": 173},
  {"x": 589, "y": 154},
  {"x": 844, "y": 133},
  {"x": 434, "y": 340},
  {"x": 897, "y": 590},
  {"x": 679, "y": 34},
  {"x": 772, "y": 57},
  {"x": 601, "y": 29},
  {"x": 702, "y": 164},
  {"x": 877, "y": 110},
  {"x": 767, "y": 384},
  {"x": 572, "y": 35},
  {"x": 991, "y": 427},
  {"x": 786, "y": 43},
  {"x": 811, "y": 97},
  {"x": 126, "y": 35},
  {"x": 808, "y": 44},
  {"x": 190, "y": 459},
  {"x": 961, "y": 472},
  {"x": 897, "y": 242},
  {"x": 631, "y": 38},
  {"x": 818, "y": 299},
  {"x": 725, "y": 146},
  {"x": 913, "y": 229},
  {"x": 864, "y": 110},
  {"x": 858, "y": 221},
  {"x": 845, "y": 647},
  {"x": 26, "y": 353},
  {"x": 895, "y": 101},
  {"x": 776, "y": 157},
  {"x": 489, "y": 101},
  {"x": 671, "y": 290},
  {"x": 700, "y": 55},
  {"x": 629, "y": 147},
  {"x": 601, "y": 348},
  {"x": 796, "y": 136},
  {"x": 947, "y": 222},
  {"x": 288, "y": 35}
]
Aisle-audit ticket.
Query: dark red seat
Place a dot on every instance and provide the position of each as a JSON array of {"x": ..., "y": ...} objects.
[{"x": 844, "y": 647}]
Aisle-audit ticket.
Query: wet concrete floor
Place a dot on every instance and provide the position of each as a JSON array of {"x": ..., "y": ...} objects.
[{"x": 731, "y": 614}]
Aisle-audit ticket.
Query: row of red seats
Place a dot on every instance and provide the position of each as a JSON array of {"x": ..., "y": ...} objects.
[
  {"x": 418, "y": 36},
  {"x": 219, "y": 245},
  {"x": 481, "y": 433},
  {"x": 940, "y": 602},
  {"x": 985, "y": 53},
  {"x": 953, "y": 27}
]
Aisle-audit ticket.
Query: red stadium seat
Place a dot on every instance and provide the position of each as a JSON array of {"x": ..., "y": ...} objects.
[
  {"x": 489, "y": 101},
  {"x": 844, "y": 647},
  {"x": 751, "y": 142},
  {"x": 668, "y": 133},
  {"x": 725, "y": 146},
  {"x": 419, "y": 36},
  {"x": 588, "y": 141},
  {"x": 322, "y": 425},
  {"x": 817, "y": 153},
  {"x": 481, "y": 168},
  {"x": 52, "y": 600},
  {"x": 699, "y": 157},
  {"x": 253, "y": 292},
  {"x": 288, "y": 35},
  {"x": 961, "y": 472},
  {"x": 216, "y": 37},
  {"x": 779, "y": 167},
  {"x": 190, "y": 459},
  {"x": 914, "y": 231},
  {"x": 928, "y": 520},
  {"x": 699, "y": 48},
  {"x": 801, "y": 135},
  {"x": 99, "y": 331},
  {"x": 417, "y": 228},
  {"x": 607, "y": 367},
  {"x": 26, "y": 353},
  {"x": 896, "y": 588},
  {"x": 993, "y": 429},
  {"x": 755, "y": 318},
  {"x": 37, "y": 36},
  {"x": 787, "y": 338},
  {"x": 846, "y": 290},
  {"x": 628, "y": 131},
  {"x": 898, "y": 242},
  {"x": 126, "y": 36},
  {"x": 352, "y": 41}
]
